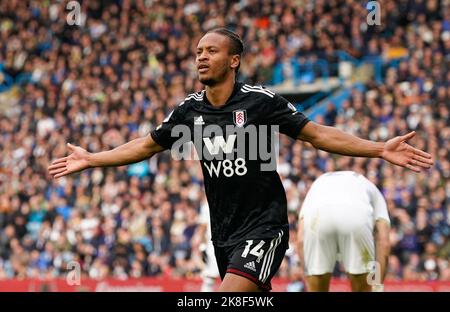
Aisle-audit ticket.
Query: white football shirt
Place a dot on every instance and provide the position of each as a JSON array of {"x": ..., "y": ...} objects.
[{"x": 345, "y": 195}]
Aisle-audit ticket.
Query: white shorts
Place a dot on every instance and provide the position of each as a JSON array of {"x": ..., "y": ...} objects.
[{"x": 328, "y": 239}]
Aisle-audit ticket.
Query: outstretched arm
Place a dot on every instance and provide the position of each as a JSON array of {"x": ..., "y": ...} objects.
[
  {"x": 396, "y": 150},
  {"x": 80, "y": 159}
]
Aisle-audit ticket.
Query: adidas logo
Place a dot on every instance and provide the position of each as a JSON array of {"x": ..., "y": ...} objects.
[
  {"x": 199, "y": 121},
  {"x": 250, "y": 265}
]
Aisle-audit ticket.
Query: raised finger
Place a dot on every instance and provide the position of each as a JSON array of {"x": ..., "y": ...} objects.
[
  {"x": 423, "y": 159},
  {"x": 421, "y": 153},
  {"x": 408, "y": 136},
  {"x": 415, "y": 162},
  {"x": 56, "y": 166},
  {"x": 413, "y": 168},
  {"x": 59, "y": 160},
  {"x": 57, "y": 171},
  {"x": 420, "y": 164},
  {"x": 61, "y": 174}
]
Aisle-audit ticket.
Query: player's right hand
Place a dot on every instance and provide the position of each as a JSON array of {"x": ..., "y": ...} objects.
[{"x": 76, "y": 161}]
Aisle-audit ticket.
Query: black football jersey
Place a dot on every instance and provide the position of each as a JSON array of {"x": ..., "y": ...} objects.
[{"x": 233, "y": 142}]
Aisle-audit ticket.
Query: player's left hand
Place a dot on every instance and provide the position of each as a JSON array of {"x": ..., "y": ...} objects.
[{"x": 400, "y": 153}]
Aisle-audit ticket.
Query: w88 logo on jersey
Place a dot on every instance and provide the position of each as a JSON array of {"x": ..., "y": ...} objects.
[{"x": 227, "y": 168}]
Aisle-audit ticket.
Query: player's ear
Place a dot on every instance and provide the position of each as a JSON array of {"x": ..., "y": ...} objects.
[{"x": 235, "y": 61}]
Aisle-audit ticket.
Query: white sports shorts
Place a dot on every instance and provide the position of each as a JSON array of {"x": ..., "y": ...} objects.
[{"x": 345, "y": 238}]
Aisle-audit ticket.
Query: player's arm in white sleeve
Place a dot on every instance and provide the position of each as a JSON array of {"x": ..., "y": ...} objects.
[
  {"x": 381, "y": 233},
  {"x": 200, "y": 234},
  {"x": 306, "y": 206}
]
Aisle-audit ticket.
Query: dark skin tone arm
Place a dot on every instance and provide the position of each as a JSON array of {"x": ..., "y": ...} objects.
[
  {"x": 382, "y": 246},
  {"x": 395, "y": 150},
  {"x": 80, "y": 159}
]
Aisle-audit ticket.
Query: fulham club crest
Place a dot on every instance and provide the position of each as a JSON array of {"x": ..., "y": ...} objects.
[{"x": 240, "y": 118}]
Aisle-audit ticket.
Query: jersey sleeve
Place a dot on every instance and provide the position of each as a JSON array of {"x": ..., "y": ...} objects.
[
  {"x": 380, "y": 210},
  {"x": 285, "y": 115},
  {"x": 162, "y": 134},
  {"x": 309, "y": 202}
]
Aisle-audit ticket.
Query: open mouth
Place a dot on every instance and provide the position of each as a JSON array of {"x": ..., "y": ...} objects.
[{"x": 203, "y": 68}]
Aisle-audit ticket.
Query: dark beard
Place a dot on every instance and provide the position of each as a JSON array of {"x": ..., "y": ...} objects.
[
  {"x": 208, "y": 81},
  {"x": 211, "y": 81}
]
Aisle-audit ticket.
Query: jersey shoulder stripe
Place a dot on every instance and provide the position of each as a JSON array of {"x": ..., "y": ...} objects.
[
  {"x": 259, "y": 87},
  {"x": 198, "y": 96},
  {"x": 170, "y": 114},
  {"x": 247, "y": 89}
]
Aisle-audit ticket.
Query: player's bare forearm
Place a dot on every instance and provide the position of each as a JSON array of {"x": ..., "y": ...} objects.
[
  {"x": 333, "y": 140},
  {"x": 80, "y": 159},
  {"x": 201, "y": 230},
  {"x": 301, "y": 254},
  {"x": 395, "y": 150},
  {"x": 128, "y": 153},
  {"x": 199, "y": 237},
  {"x": 382, "y": 246}
]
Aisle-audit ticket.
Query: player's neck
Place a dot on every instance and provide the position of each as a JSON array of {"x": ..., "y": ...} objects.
[{"x": 219, "y": 93}]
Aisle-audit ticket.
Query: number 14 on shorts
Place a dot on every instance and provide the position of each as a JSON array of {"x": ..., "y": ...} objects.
[{"x": 255, "y": 251}]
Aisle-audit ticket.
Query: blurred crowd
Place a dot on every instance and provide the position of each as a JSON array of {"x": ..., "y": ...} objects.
[{"x": 115, "y": 77}]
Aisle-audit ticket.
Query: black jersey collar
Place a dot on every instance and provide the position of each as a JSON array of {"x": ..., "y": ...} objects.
[{"x": 237, "y": 87}]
